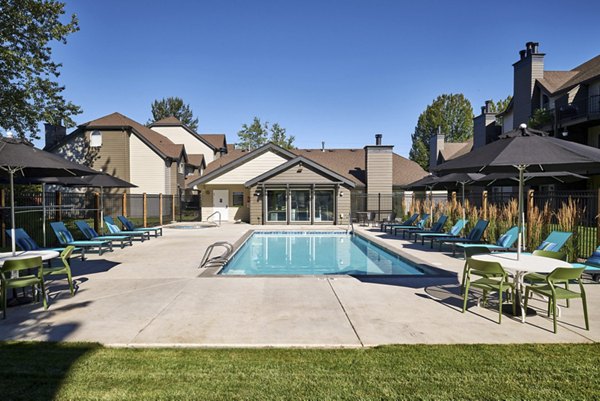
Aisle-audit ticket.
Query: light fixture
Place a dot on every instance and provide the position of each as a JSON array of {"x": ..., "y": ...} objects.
[
  {"x": 565, "y": 133},
  {"x": 299, "y": 168},
  {"x": 341, "y": 194}
]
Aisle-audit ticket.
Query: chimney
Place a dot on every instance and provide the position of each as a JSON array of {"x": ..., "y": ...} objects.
[
  {"x": 53, "y": 134},
  {"x": 436, "y": 145},
  {"x": 380, "y": 175},
  {"x": 322, "y": 146},
  {"x": 527, "y": 70},
  {"x": 485, "y": 129}
]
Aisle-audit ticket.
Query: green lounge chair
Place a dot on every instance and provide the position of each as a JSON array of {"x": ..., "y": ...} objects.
[
  {"x": 505, "y": 242},
  {"x": 436, "y": 227},
  {"x": 26, "y": 243},
  {"x": 65, "y": 238},
  {"x": 591, "y": 265},
  {"x": 11, "y": 277},
  {"x": 454, "y": 232},
  {"x": 91, "y": 234},
  {"x": 408, "y": 222},
  {"x": 473, "y": 237},
  {"x": 129, "y": 226},
  {"x": 114, "y": 229},
  {"x": 419, "y": 226},
  {"x": 554, "y": 293}
]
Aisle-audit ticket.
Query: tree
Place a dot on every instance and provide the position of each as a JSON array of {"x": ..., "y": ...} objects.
[
  {"x": 29, "y": 92},
  {"x": 500, "y": 105},
  {"x": 173, "y": 107},
  {"x": 257, "y": 134},
  {"x": 450, "y": 113},
  {"x": 540, "y": 118}
]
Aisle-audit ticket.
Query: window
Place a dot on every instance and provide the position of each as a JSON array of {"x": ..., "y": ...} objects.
[
  {"x": 238, "y": 199},
  {"x": 324, "y": 205},
  {"x": 95, "y": 139},
  {"x": 276, "y": 205},
  {"x": 181, "y": 167},
  {"x": 300, "y": 206}
]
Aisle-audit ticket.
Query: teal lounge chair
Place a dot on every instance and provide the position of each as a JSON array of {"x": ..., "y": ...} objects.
[
  {"x": 114, "y": 229},
  {"x": 129, "y": 226},
  {"x": 437, "y": 227},
  {"x": 419, "y": 226},
  {"x": 474, "y": 236},
  {"x": 91, "y": 234},
  {"x": 555, "y": 241},
  {"x": 65, "y": 238},
  {"x": 454, "y": 232},
  {"x": 408, "y": 222},
  {"x": 26, "y": 243},
  {"x": 591, "y": 265},
  {"x": 505, "y": 242}
]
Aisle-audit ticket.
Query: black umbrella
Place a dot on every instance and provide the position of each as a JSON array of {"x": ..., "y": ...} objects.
[
  {"x": 453, "y": 179},
  {"x": 547, "y": 177},
  {"x": 426, "y": 183},
  {"x": 525, "y": 150},
  {"x": 19, "y": 157}
]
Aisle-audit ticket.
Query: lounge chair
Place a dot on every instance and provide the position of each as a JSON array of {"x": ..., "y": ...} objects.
[
  {"x": 591, "y": 265},
  {"x": 390, "y": 218},
  {"x": 419, "y": 226},
  {"x": 26, "y": 243},
  {"x": 474, "y": 236},
  {"x": 408, "y": 222},
  {"x": 453, "y": 233},
  {"x": 65, "y": 238},
  {"x": 555, "y": 241},
  {"x": 114, "y": 229},
  {"x": 504, "y": 243},
  {"x": 129, "y": 226},
  {"x": 91, "y": 234},
  {"x": 436, "y": 227}
]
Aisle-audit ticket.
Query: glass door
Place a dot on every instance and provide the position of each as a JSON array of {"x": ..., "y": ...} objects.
[
  {"x": 276, "y": 205},
  {"x": 324, "y": 205},
  {"x": 300, "y": 205}
]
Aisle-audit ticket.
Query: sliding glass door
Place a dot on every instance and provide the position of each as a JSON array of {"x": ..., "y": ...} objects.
[
  {"x": 300, "y": 205},
  {"x": 324, "y": 208},
  {"x": 276, "y": 205}
]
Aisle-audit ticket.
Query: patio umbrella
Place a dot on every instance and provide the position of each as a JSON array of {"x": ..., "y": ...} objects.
[
  {"x": 19, "y": 157},
  {"x": 543, "y": 178},
  {"x": 526, "y": 150},
  {"x": 426, "y": 183},
  {"x": 459, "y": 178}
]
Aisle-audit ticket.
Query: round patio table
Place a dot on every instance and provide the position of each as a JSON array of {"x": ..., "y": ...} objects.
[{"x": 527, "y": 263}]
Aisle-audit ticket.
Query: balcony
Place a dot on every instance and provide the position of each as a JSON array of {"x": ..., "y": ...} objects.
[{"x": 579, "y": 111}]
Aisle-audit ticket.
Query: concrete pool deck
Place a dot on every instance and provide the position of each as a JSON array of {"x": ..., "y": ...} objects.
[{"x": 153, "y": 294}]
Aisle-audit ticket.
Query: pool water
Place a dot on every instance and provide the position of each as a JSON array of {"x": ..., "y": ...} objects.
[{"x": 316, "y": 253}]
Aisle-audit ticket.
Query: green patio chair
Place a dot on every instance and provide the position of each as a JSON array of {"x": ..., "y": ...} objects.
[
  {"x": 537, "y": 278},
  {"x": 28, "y": 279},
  {"x": 471, "y": 251},
  {"x": 554, "y": 292},
  {"x": 65, "y": 269},
  {"x": 494, "y": 278}
]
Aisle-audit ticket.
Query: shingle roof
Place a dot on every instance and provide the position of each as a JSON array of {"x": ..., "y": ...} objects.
[
  {"x": 117, "y": 120},
  {"x": 167, "y": 121},
  {"x": 555, "y": 79},
  {"x": 216, "y": 140},
  {"x": 196, "y": 159},
  {"x": 454, "y": 149},
  {"x": 559, "y": 81},
  {"x": 349, "y": 163}
]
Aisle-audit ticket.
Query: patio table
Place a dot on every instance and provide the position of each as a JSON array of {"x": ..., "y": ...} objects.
[
  {"x": 519, "y": 268},
  {"x": 4, "y": 256}
]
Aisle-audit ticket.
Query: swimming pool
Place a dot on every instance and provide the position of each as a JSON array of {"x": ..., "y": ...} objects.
[{"x": 316, "y": 253}]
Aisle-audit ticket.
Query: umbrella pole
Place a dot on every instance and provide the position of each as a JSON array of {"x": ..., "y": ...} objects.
[
  {"x": 101, "y": 210},
  {"x": 463, "y": 203},
  {"x": 520, "y": 228},
  {"x": 13, "y": 243},
  {"x": 44, "y": 212}
]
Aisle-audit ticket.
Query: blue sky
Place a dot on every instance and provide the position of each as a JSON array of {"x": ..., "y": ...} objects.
[{"x": 333, "y": 71}]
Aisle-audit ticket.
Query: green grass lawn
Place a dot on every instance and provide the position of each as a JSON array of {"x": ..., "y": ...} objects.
[{"x": 32, "y": 371}]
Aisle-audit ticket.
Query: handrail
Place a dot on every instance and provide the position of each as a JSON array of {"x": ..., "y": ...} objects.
[
  {"x": 217, "y": 212},
  {"x": 220, "y": 259}
]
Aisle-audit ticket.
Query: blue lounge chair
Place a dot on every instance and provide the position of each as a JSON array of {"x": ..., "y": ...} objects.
[
  {"x": 26, "y": 243},
  {"x": 437, "y": 227},
  {"x": 592, "y": 265},
  {"x": 113, "y": 228},
  {"x": 454, "y": 232},
  {"x": 419, "y": 226},
  {"x": 408, "y": 222},
  {"x": 65, "y": 238},
  {"x": 91, "y": 234},
  {"x": 129, "y": 226},
  {"x": 505, "y": 242},
  {"x": 474, "y": 236},
  {"x": 555, "y": 241}
]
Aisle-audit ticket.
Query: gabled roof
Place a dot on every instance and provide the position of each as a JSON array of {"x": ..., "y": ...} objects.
[
  {"x": 197, "y": 160},
  {"x": 455, "y": 149},
  {"x": 213, "y": 141},
  {"x": 555, "y": 79},
  {"x": 217, "y": 141},
  {"x": 168, "y": 121},
  {"x": 224, "y": 164},
  {"x": 584, "y": 72},
  {"x": 295, "y": 161},
  {"x": 159, "y": 143}
]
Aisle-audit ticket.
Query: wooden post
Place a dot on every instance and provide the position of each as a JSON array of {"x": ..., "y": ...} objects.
[
  {"x": 173, "y": 207},
  {"x": 484, "y": 204},
  {"x": 124, "y": 203},
  {"x": 97, "y": 212},
  {"x": 530, "y": 205},
  {"x": 200, "y": 205},
  {"x": 453, "y": 198},
  {"x": 3, "y": 204},
  {"x": 58, "y": 203},
  {"x": 160, "y": 210},
  {"x": 145, "y": 209}
]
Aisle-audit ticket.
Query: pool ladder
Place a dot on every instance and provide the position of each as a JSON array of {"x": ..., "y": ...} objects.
[{"x": 209, "y": 260}]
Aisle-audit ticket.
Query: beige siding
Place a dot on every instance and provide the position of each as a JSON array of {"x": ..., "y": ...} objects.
[
  {"x": 113, "y": 156},
  {"x": 235, "y": 212},
  {"x": 193, "y": 145},
  {"x": 173, "y": 177},
  {"x": 379, "y": 176},
  {"x": 343, "y": 205},
  {"x": 292, "y": 176},
  {"x": 147, "y": 169},
  {"x": 256, "y": 205},
  {"x": 251, "y": 169}
]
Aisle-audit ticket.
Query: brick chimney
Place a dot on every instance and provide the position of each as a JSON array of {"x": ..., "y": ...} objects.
[
  {"x": 380, "y": 175},
  {"x": 436, "y": 145},
  {"x": 53, "y": 134},
  {"x": 529, "y": 68}
]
